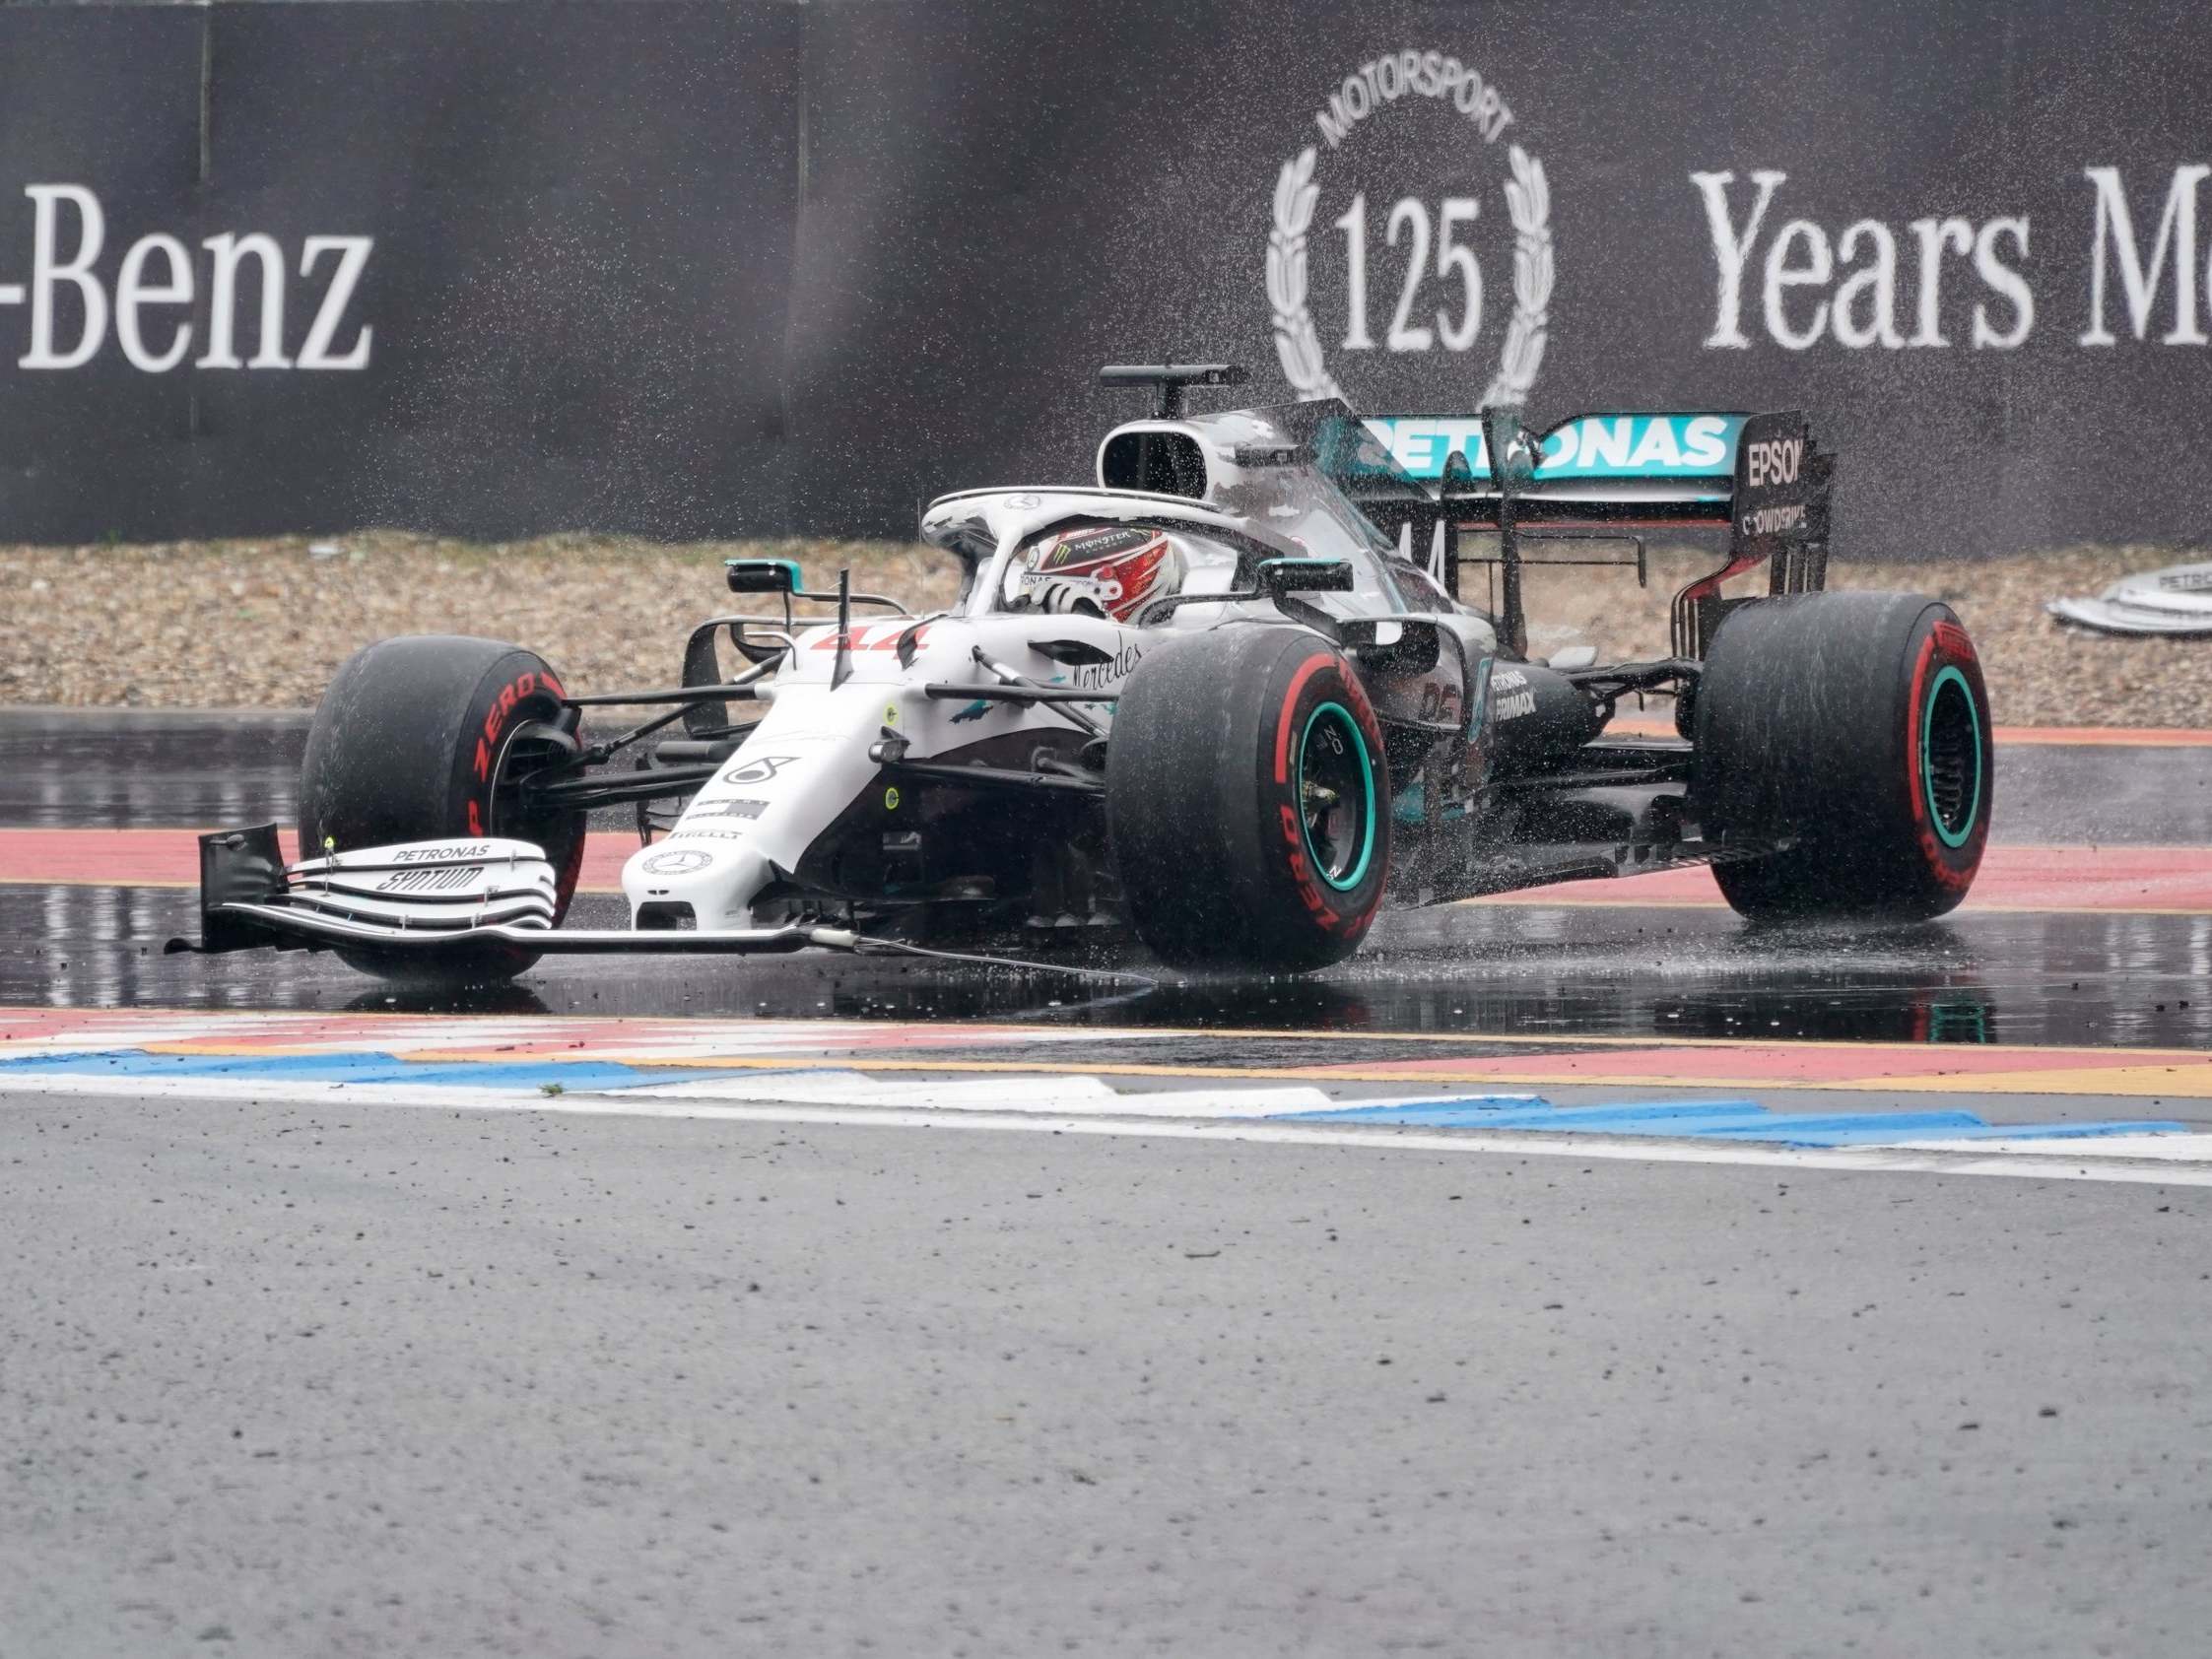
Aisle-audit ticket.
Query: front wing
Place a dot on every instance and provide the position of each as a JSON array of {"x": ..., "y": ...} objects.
[{"x": 429, "y": 896}]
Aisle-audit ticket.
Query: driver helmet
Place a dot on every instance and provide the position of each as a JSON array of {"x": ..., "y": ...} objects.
[{"x": 1111, "y": 570}]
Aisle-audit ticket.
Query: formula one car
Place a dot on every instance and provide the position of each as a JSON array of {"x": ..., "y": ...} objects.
[{"x": 1230, "y": 699}]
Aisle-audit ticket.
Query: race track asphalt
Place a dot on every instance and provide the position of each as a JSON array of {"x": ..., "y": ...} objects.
[
  {"x": 298, "y": 1367},
  {"x": 314, "y": 1379}
]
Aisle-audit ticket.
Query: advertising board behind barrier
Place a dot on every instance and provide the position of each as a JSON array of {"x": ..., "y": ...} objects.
[{"x": 696, "y": 269}]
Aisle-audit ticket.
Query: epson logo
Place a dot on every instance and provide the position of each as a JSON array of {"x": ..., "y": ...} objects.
[
  {"x": 159, "y": 282},
  {"x": 1773, "y": 461}
]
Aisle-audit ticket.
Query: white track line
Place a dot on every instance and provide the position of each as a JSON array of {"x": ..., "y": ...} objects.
[
  {"x": 1981, "y": 1160},
  {"x": 1050, "y": 1094},
  {"x": 808, "y": 1086},
  {"x": 2184, "y": 1148},
  {"x": 1866, "y": 1160},
  {"x": 1042, "y": 1093}
]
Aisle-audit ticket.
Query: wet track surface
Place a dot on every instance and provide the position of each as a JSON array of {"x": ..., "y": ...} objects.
[
  {"x": 1618, "y": 969},
  {"x": 2140, "y": 980},
  {"x": 319, "y": 1343}
]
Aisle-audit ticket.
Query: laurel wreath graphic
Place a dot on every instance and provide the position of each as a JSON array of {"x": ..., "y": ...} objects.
[{"x": 1299, "y": 346}]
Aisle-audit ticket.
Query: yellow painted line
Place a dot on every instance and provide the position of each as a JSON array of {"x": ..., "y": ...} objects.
[
  {"x": 1660, "y": 1040},
  {"x": 2169, "y": 1083},
  {"x": 1224, "y": 1034},
  {"x": 2172, "y": 1082},
  {"x": 805, "y": 1053}
]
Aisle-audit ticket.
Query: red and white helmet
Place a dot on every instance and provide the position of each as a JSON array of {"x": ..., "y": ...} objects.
[{"x": 1113, "y": 569}]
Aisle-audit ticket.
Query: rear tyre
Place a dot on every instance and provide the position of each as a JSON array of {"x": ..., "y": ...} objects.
[
  {"x": 1857, "y": 727},
  {"x": 425, "y": 738},
  {"x": 1247, "y": 800}
]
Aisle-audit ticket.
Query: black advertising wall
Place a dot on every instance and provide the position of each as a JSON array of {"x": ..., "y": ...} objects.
[
  {"x": 1104, "y": 184},
  {"x": 700, "y": 268},
  {"x": 565, "y": 228},
  {"x": 84, "y": 450}
]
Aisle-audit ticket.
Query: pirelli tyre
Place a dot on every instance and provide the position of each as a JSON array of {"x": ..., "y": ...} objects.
[
  {"x": 422, "y": 739},
  {"x": 1247, "y": 800},
  {"x": 1853, "y": 729}
]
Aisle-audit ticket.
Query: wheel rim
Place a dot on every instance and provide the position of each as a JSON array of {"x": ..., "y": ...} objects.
[
  {"x": 1951, "y": 758},
  {"x": 522, "y": 752},
  {"x": 1336, "y": 796}
]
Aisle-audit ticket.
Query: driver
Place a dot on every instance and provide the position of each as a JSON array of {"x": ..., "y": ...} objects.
[{"x": 1107, "y": 571}]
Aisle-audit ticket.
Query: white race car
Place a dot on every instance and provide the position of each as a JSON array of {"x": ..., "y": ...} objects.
[{"x": 1229, "y": 698}]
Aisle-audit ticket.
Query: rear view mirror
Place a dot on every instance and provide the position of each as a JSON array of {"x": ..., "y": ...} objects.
[
  {"x": 1278, "y": 576},
  {"x": 763, "y": 575},
  {"x": 1400, "y": 644}
]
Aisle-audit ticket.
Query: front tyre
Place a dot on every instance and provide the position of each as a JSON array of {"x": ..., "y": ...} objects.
[
  {"x": 1247, "y": 800},
  {"x": 426, "y": 738},
  {"x": 1856, "y": 727}
]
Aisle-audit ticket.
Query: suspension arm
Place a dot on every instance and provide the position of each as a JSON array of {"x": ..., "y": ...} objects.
[
  {"x": 735, "y": 690},
  {"x": 652, "y": 786},
  {"x": 994, "y": 777}
]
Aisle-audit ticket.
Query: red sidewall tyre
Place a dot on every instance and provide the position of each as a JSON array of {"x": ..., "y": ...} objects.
[
  {"x": 1248, "y": 800},
  {"x": 1856, "y": 727},
  {"x": 414, "y": 740}
]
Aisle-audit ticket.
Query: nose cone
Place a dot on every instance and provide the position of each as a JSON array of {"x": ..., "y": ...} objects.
[{"x": 717, "y": 878}]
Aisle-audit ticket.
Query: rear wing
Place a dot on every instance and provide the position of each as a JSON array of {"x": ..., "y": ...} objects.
[
  {"x": 1607, "y": 477},
  {"x": 1662, "y": 468}
]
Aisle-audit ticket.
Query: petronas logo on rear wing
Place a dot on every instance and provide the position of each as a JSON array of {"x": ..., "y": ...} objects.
[{"x": 1699, "y": 445}]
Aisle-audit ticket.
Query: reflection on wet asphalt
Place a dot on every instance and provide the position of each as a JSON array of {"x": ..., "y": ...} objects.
[
  {"x": 1986, "y": 978},
  {"x": 2001, "y": 978},
  {"x": 113, "y": 771}
]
